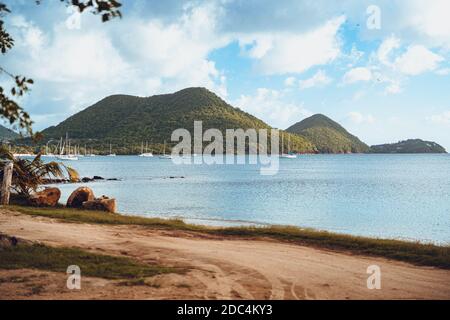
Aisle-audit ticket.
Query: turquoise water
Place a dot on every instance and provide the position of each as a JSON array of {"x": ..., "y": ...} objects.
[{"x": 389, "y": 196}]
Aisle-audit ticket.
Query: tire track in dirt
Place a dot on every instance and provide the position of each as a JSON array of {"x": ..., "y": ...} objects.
[{"x": 248, "y": 269}]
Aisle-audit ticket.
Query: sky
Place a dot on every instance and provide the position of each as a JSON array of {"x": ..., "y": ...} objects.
[{"x": 380, "y": 68}]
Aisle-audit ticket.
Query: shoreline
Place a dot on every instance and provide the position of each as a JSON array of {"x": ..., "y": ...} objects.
[
  {"x": 236, "y": 223},
  {"x": 217, "y": 263}
]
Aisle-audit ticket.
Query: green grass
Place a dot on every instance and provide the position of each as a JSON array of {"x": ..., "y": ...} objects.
[
  {"x": 412, "y": 252},
  {"x": 36, "y": 256}
]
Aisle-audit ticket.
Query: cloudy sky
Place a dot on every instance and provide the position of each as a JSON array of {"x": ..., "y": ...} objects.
[{"x": 384, "y": 79}]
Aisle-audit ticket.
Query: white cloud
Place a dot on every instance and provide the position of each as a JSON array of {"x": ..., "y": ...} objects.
[
  {"x": 394, "y": 87},
  {"x": 317, "y": 80},
  {"x": 443, "y": 71},
  {"x": 358, "y": 95},
  {"x": 75, "y": 68},
  {"x": 443, "y": 118},
  {"x": 430, "y": 19},
  {"x": 357, "y": 74},
  {"x": 359, "y": 118},
  {"x": 287, "y": 52},
  {"x": 416, "y": 60},
  {"x": 260, "y": 47},
  {"x": 290, "y": 81},
  {"x": 385, "y": 49},
  {"x": 354, "y": 56},
  {"x": 269, "y": 105}
]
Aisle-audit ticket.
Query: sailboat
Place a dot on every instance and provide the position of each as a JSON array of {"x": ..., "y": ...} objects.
[
  {"x": 164, "y": 155},
  {"x": 110, "y": 151},
  {"x": 92, "y": 154},
  {"x": 47, "y": 153},
  {"x": 66, "y": 146},
  {"x": 145, "y": 154},
  {"x": 288, "y": 155}
]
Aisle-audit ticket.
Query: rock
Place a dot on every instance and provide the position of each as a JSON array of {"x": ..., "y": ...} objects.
[
  {"x": 113, "y": 179},
  {"x": 101, "y": 204},
  {"x": 56, "y": 181},
  {"x": 98, "y": 178},
  {"x": 79, "y": 196},
  {"x": 46, "y": 198},
  {"x": 7, "y": 241},
  {"x": 86, "y": 179},
  {"x": 10, "y": 241}
]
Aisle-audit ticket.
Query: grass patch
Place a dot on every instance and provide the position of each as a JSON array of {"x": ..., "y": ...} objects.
[
  {"x": 412, "y": 252},
  {"x": 25, "y": 256},
  {"x": 15, "y": 279},
  {"x": 75, "y": 215},
  {"x": 139, "y": 282}
]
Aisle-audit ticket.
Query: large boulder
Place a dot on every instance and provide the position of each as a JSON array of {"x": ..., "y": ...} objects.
[
  {"x": 46, "y": 198},
  {"x": 101, "y": 204},
  {"x": 79, "y": 196}
]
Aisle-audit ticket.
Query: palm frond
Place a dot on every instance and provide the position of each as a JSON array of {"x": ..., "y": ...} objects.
[{"x": 28, "y": 175}]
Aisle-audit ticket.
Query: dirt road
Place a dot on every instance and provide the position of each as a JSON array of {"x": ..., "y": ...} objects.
[{"x": 218, "y": 268}]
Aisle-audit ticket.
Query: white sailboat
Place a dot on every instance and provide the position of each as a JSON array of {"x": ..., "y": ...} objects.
[
  {"x": 92, "y": 154},
  {"x": 65, "y": 146},
  {"x": 288, "y": 155},
  {"x": 110, "y": 151},
  {"x": 47, "y": 153},
  {"x": 164, "y": 155},
  {"x": 145, "y": 154}
]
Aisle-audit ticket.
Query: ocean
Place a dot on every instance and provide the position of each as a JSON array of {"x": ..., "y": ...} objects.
[{"x": 387, "y": 196}]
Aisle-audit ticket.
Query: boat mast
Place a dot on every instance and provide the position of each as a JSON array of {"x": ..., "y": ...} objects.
[
  {"x": 61, "y": 146},
  {"x": 289, "y": 144}
]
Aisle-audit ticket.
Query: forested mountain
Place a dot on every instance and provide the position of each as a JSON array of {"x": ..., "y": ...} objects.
[
  {"x": 127, "y": 121},
  {"x": 328, "y": 136},
  {"x": 7, "y": 134}
]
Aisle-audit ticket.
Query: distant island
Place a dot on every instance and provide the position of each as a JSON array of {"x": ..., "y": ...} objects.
[
  {"x": 128, "y": 122},
  {"x": 409, "y": 146}
]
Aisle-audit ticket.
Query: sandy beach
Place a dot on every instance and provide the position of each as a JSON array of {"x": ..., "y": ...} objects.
[{"x": 215, "y": 267}]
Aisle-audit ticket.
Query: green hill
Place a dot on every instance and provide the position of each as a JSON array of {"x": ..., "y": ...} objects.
[
  {"x": 7, "y": 134},
  {"x": 328, "y": 136},
  {"x": 409, "y": 146},
  {"x": 126, "y": 121}
]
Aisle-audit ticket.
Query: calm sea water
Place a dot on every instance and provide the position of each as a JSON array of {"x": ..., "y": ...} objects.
[{"x": 389, "y": 196}]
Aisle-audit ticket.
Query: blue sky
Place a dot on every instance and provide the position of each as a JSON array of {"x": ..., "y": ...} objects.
[{"x": 279, "y": 60}]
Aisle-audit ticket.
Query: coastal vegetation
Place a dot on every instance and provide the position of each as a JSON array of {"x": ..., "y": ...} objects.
[{"x": 412, "y": 252}]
